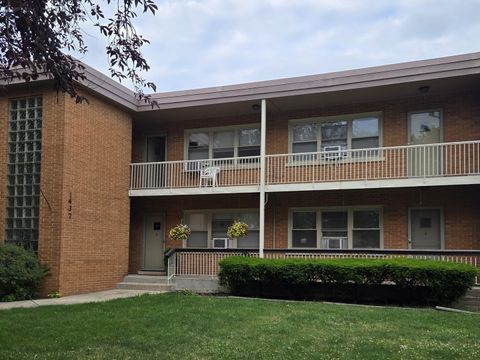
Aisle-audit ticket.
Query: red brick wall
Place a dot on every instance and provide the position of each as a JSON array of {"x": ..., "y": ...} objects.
[
  {"x": 94, "y": 249},
  {"x": 86, "y": 151},
  {"x": 460, "y": 112},
  {"x": 459, "y": 203},
  {"x": 51, "y": 175}
]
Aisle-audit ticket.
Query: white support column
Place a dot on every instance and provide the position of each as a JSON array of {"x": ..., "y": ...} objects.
[{"x": 263, "y": 135}]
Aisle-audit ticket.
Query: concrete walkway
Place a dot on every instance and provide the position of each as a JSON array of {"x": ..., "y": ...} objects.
[{"x": 77, "y": 299}]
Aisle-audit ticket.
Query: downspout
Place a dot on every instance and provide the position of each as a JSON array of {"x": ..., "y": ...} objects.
[{"x": 263, "y": 136}]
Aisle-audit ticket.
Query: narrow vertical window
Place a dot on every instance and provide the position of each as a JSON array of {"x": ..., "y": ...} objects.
[{"x": 23, "y": 172}]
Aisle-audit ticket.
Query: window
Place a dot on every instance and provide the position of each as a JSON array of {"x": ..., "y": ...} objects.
[
  {"x": 336, "y": 228},
  {"x": 198, "y": 146},
  {"x": 343, "y": 133},
  {"x": 23, "y": 172},
  {"x": 304, "y": 230},
  {"x": 199, "y": 235},
  {"x": 213, "y": 225},
  {"x": 224, "y": 143}
]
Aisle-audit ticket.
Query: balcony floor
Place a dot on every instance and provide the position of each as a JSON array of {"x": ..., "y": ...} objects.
[{"x": 333, "y": 185}]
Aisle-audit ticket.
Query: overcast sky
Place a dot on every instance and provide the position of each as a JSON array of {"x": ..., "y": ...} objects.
[{"x": 202, "y": 43}]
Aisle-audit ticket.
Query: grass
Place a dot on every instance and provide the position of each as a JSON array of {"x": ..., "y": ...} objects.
[{"x": 171, "y": 326}]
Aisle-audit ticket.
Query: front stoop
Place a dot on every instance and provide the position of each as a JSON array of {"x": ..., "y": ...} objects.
[
  {"x": 145, "y": 282},
  {"x": 469, "y": 302}
]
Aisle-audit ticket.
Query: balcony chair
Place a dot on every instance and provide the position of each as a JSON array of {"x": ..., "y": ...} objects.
[{"x": 209, "y": 173}]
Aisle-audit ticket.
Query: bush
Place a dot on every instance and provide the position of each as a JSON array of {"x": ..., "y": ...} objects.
[
  {"x": 358, "y": 280},
  {"x": 20, "y": 273}
]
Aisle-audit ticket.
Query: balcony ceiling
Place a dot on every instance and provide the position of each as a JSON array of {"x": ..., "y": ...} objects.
[{"x": 313, "y": 100}]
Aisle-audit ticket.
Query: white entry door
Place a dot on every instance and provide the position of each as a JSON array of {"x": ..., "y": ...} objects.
[
  {"x": 153, "y": 242},
  {"x": 425, "y": 128},
  {"x": 425, "y": 229}
]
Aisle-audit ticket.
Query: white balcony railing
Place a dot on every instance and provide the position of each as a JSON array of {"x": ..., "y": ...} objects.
[
  {"x": 187, "y": 174},
  {"x": 385, "y": 163},
  {"x": 398, "y": 162}
]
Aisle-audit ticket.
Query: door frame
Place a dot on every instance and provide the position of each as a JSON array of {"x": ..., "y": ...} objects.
[
  {"x": 409, "y": 113},
  {"x": 442, "y": 224},
  {"x": 145, "y": 144},
  {"x": 162, "y": 215}
]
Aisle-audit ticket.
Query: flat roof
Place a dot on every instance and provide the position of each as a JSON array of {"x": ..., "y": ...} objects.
[{"x": 401, "y": 73}]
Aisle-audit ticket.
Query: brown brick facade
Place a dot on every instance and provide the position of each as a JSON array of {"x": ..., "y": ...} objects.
[
  {"x": 86, "y": 153},
  {"x": 457, "y": 109},
  {"x": 460, "y": 209}
]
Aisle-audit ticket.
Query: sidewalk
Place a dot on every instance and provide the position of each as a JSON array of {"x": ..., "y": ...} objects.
[{"x": 77, "y": 299}]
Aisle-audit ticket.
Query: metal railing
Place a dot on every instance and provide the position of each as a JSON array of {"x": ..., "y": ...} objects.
[
  {"x": 398, "y": 162},
  {"x": 204, "y": 262},
  {"x": 384, "y": 163},
  {"x": 188, "y": 174}
]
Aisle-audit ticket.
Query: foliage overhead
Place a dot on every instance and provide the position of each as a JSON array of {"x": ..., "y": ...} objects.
[{"x": 35, "y": 36}]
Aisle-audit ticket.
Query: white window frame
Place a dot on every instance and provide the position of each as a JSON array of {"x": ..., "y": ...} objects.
[
  {"x": 318, "y": 211},
  {"x": 211, "y": 131},
  {"x": 326, "y": 119},
  {"x": 232, "y": 244}
]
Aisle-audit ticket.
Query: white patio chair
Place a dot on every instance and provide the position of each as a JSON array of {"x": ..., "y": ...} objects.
[{"x": 209, "y": 174}]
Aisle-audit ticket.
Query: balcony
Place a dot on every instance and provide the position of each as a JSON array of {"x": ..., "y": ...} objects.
[{"x": 455, "y": 163}]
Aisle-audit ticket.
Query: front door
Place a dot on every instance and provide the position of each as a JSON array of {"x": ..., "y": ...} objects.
[
  {"x": 153, "y": 243},
  {"x": 425, "y": 128},
  {"x": 425, "y": 229}
]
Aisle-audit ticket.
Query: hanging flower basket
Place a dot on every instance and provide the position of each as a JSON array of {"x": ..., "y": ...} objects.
[
  {"x": 238, "y": 229},
  {"x": 179, "y": 232}
]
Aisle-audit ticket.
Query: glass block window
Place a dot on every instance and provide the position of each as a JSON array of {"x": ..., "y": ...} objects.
[{"x": 23, "y": 172}]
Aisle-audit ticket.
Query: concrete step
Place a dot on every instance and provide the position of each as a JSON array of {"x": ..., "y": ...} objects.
[
  {"x": 146, "y": 279},
  {"x": 144, "y": 286},
  {"x": 152, "y": 273}
]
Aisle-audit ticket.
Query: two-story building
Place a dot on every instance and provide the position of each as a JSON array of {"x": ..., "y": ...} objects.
[{"x": 380, "y": 161}]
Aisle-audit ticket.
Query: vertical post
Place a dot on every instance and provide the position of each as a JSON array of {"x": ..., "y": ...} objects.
[{"x": 263, "y": 137}]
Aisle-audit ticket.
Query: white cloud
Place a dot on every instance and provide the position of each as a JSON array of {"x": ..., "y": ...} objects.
[{"x": 199, "y": 43}]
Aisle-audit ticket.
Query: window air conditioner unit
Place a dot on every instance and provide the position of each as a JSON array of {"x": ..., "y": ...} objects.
[
  {"x": 333, "y": 152},
  {"x": 334, "y": 242},
  {"x": 220, "y": 243},
  {"x": 194, "y": 166}
]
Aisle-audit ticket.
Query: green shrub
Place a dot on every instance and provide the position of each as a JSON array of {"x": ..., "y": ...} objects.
[
  {"x": 377, "y": 280},
  {"x": 20, "y": 273}
]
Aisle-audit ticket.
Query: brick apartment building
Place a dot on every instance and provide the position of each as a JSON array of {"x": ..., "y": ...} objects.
[{"x": 379, "y": 158}]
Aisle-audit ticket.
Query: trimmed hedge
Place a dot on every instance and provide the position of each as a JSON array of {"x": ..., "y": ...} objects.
[
  {"x": 20, "y": 273},
  {"x": 404, "y": 281}
]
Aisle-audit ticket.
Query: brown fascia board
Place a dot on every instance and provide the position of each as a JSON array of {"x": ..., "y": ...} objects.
[
  {"x": 422, "y": 70},
  {"x": 95, "y": 81}
]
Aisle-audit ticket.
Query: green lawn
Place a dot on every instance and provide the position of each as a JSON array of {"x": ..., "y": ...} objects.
[{"x": 196, "y": 327}]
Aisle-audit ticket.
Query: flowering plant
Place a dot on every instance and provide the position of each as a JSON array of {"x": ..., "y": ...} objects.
[
  {"x": 179, "y": 232},
  {"x": 238, "y": 229}
]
